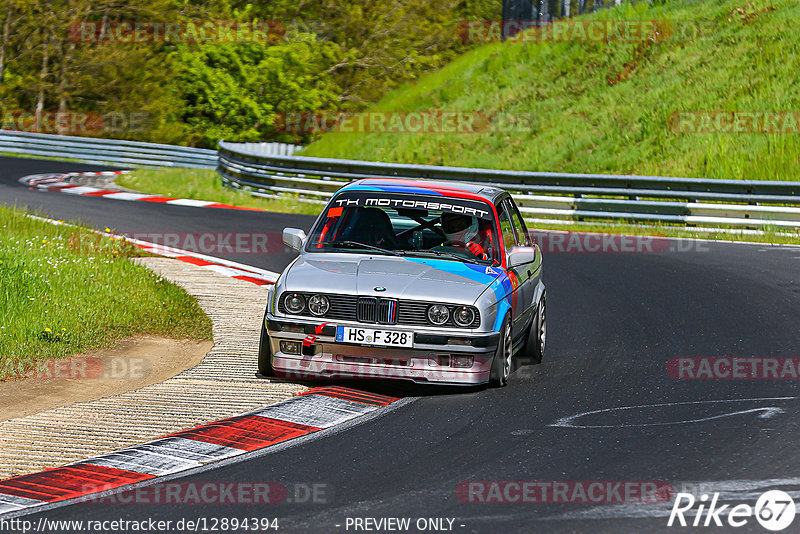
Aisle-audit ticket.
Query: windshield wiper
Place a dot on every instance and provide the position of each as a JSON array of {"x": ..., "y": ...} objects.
[
  {"x": 356, "y": 244},
  {"x": 439, "y": 253}
]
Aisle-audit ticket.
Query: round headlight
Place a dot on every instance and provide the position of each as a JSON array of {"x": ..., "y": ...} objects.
[
  {"x": 438, "y": 314},
  {"x": 463, "y": 316},
  {"x": 295, "y": 303},
  {"x": 319, "y": 304}
]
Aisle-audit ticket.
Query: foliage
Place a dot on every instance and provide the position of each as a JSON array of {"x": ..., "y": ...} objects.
[{"x": 323, "y": 55}]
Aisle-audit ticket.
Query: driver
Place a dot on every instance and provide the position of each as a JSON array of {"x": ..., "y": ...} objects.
[{"x": 461, "y": 230}]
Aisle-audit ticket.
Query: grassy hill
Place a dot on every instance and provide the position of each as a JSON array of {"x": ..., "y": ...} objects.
[{"x": 607, "y": 106}]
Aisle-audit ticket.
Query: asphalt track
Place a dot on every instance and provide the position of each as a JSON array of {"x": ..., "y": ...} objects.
[{"x": 615, "y": 320}]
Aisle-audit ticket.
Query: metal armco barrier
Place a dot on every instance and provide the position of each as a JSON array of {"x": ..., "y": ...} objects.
[
  {"x": 268, "y": 149},
  {"x": 691, "y": 201},
  {"x": 259, "y": 168},
  {"x": 104, "y": 151}
]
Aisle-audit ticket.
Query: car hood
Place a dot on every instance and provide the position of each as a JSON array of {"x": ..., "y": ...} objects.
[{"x": 402, "y": 277}]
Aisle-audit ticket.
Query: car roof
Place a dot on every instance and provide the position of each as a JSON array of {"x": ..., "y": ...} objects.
[{"x": 411, "y": 185}]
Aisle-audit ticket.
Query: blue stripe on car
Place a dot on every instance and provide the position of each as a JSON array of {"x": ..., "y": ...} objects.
[
  {"x": 494, "y": 277},
  {"x": 394, "y": 188},
  {"x": 502, "y": 308}
]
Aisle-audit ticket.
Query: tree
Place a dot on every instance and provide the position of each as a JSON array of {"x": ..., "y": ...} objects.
[
  {"x": 234, "y": 91},
  {"x": 334, "y": 55}
]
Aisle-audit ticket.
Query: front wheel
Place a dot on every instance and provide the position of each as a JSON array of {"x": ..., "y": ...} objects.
[
  {"x": 265, "y": 352},
  {"x": 501, "y": 364}
]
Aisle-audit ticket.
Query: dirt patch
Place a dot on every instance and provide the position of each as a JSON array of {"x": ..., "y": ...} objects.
[{"x": 132, "y": 364}]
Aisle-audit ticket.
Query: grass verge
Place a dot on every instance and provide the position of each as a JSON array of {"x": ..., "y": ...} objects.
[
  {"x": 37, "y": 156},
  {"x": 66, "y": 290},
  {"x": 206, "y": 184}
]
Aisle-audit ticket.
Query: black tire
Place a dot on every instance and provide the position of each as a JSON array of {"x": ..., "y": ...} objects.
[
  {"x": 502, "y": 361},
  {"x": 537, "y": 334},
  {"x": 264, "y": 353}
]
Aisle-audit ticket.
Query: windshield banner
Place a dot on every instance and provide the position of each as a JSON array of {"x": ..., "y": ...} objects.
[{"x": 474, "y": 208}]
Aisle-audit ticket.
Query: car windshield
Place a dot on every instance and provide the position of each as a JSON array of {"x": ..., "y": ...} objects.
[{"x": 408, "y": 225}]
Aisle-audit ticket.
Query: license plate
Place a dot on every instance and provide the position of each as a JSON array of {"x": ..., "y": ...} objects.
[{"x": 368, "y": 336}]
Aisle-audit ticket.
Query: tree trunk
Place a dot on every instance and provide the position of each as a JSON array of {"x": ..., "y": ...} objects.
[
  {"x": 6, "y": 37},
  {"x": 43, "y": 75},
  {"x": 63, "y": 75}
]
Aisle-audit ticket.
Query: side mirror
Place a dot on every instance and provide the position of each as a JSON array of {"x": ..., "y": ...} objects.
[
  {"x": 521, "y": 255},
  {"x": 294, "y": 238}
]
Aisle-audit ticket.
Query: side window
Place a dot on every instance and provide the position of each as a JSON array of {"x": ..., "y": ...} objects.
[
  {"x": 523, "y": 237},
  {"x": 505, "y": 226}
]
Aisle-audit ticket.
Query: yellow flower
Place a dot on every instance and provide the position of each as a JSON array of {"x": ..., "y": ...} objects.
[
  {"x": 108, "y": 229},
  {"x": 63, "y": 329},
  {"x": 47, "y": 330}
]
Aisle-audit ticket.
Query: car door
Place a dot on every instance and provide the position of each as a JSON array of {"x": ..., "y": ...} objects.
[
  {"x": 510, "y": 241},
  {"x": 527, "y": 273}
]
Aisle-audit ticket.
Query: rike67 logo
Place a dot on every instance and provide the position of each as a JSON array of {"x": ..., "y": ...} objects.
[{"x": 774, "y": 510}]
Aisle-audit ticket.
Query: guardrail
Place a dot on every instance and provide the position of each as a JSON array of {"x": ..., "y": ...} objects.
[
  {"x": 690, "y": 201},
  {"x": 106, "y": 151},
  {"x": 540, "y": 195},
  {"x": 268, "y": 149}
]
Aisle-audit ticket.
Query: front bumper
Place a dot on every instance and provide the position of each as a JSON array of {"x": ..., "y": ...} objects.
[{"x": 429, "y": 361}]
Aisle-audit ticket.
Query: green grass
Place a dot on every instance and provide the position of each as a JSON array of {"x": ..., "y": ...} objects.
[
  {"x": 66, "y": 290},
  {"x": 206, "y": 184},
  {"x": 36, "y": 156},
  {"x": 605, "y": 107}
]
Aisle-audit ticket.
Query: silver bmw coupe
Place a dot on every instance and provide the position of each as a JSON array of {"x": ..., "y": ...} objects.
[{"x": 407, "y": 279}]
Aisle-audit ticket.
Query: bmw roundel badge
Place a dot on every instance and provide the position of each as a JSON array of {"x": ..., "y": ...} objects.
[{"x": 380, "y": 288}]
